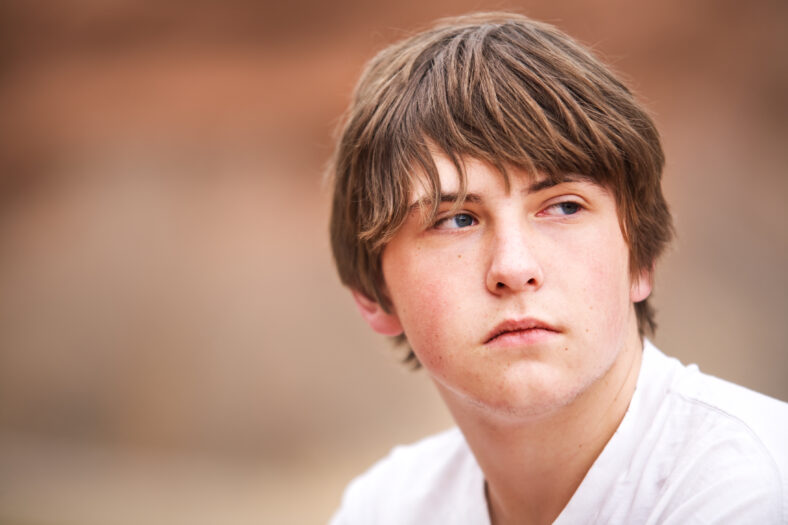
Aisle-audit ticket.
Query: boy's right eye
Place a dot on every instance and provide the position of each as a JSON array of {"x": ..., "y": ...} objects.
[{"x": 460, "y": 220}]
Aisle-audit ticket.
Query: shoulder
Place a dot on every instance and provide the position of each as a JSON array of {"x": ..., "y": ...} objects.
[
  {"x": 722, "y": 412},
  {"x": 728, "y": 449},
  {"x": 707, "y": 405},
  {"x": 418, "y": 483},
  {"x": 414, "y": 469}
]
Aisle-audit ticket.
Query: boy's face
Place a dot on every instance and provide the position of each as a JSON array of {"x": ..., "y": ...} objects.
[{"x": 520, "y": 301}]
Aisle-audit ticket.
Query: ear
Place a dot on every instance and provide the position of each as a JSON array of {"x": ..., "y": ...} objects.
[
  {"x": 381, "y": 321},
  {"x": 641, "y": 286}
]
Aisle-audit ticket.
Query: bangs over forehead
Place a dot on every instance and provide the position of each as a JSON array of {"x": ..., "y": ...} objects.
[{"x": 502, "y": 90}]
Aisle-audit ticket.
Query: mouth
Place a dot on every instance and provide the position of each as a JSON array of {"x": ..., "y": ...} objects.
[{"x": 524, "y": 329}]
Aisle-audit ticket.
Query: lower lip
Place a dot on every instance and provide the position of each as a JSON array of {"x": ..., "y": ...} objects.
[{"x": 522, "y": 337}]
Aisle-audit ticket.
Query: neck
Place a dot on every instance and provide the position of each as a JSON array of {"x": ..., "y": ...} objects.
[{"x": 533, "y": 466}]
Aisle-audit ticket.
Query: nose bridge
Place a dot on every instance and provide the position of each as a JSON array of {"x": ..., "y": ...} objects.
[{"x": 513, "y": 261}]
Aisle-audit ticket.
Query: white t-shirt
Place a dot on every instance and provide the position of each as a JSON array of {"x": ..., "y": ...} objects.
[{"x": 691, "y": 449}]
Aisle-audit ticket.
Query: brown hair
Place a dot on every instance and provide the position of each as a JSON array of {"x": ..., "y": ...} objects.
[{"x": 504, "y": 89}]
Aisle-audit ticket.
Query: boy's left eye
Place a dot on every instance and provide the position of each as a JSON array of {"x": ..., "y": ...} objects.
[
  {"x": 460, "y": 220},
  {"x": 563, "y": 208}
]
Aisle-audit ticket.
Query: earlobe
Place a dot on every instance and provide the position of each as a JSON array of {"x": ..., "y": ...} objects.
[
  {"x": 381, "y": 321},
  {"x": 641, "y": 286}
]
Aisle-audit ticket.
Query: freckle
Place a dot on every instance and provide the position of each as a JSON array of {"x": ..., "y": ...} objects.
[
  {"x": 586, "y": 330},
  {"x": 459, "y": 256}
]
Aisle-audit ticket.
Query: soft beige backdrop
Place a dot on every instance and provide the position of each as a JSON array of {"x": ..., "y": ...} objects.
[{"x": 174, "y": 345}]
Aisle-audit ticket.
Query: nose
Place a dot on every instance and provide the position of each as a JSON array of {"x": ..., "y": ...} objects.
[{"x": 513, "y": 265}]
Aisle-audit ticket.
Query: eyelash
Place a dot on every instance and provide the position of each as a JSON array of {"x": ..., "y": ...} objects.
[
  {"x": 558, "y": 205},
  {"x": 579, "y": 207},
  {"x": 445, "y": 220}
]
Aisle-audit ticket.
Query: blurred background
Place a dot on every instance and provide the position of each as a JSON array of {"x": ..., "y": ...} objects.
[{"x": 174, "y": 344}]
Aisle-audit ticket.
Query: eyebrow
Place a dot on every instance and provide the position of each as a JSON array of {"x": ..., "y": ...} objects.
[
  {"x": 447, "y": 197},
  {"x": 549, "y": 183},
  {"x": 474, "y": 198}
]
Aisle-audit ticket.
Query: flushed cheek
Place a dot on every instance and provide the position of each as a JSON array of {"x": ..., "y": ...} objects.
[{"x": 436, "y": 321}]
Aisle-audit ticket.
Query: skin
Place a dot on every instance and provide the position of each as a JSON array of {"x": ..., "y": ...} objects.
[{"x": 536, "y": 405}]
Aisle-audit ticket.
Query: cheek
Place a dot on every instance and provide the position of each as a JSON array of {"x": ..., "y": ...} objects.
[
  {"x": 430, "y": 298},
  {"x": 600, "y": 282}
]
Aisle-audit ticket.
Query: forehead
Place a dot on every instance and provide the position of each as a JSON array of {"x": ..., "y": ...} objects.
[{"x": 455, "y": 181}]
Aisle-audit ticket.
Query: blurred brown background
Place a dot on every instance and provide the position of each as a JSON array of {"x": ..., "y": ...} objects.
[{"x": 174, "y": 344}]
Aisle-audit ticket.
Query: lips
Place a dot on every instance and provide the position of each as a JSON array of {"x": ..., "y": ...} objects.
[{"x": 527, "y": 328}]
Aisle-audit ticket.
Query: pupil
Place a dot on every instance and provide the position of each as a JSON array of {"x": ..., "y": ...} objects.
[
  {"x": 569, "y": 207},
  {"x": 462, "y": 220}
]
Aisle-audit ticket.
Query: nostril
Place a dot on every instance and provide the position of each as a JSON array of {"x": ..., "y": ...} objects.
[
  {"x": 499, "y": 285},
  {"x": 532, "y": 281}
]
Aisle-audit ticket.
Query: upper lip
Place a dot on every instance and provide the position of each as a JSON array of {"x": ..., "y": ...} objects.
[{"x": 514, "y": 325}]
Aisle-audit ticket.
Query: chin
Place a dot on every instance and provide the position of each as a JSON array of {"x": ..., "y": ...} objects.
[
  {"x": 524, "y": 399},
  {"x": 535, "y": 405}
]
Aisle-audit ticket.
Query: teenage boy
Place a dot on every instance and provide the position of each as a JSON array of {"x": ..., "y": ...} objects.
[{"x": 497, "y": 200}]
